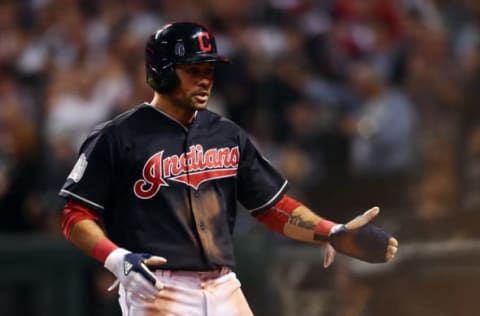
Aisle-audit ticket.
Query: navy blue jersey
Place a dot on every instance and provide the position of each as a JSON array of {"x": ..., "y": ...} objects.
[{"x": 172, "y": 191}]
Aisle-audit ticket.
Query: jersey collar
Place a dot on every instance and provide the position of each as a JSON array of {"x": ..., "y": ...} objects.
[{"x": 186, "y": 128}]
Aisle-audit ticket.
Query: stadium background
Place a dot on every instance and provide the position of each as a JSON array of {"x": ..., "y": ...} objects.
[{"x": 358, "y": 103}]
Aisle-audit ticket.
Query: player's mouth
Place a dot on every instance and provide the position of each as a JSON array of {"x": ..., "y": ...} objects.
[{"x": 201, "y": 97}]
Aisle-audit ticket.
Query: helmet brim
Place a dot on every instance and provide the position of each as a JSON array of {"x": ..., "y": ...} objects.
[{"x": 207, "y": 58}]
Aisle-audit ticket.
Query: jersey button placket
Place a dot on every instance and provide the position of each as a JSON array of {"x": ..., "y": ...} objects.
[{"x": 195, "y": 198}]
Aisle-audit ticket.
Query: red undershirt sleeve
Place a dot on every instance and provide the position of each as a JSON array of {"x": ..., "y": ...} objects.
[
  {"x": 278, "y": 215},
  {"x": 72, "y": 214}
]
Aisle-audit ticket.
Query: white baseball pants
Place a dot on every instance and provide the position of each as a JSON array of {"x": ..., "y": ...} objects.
[{"x": 189, "y": 293}]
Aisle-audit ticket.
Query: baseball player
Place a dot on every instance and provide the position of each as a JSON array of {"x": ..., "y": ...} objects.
[{"x": 153, "y": 194}]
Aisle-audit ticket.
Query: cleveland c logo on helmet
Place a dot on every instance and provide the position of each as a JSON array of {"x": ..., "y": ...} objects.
[{"x": 204, "y": 42}]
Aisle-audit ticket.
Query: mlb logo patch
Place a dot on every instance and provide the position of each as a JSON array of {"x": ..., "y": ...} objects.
[{"x": 179, "y": 49}]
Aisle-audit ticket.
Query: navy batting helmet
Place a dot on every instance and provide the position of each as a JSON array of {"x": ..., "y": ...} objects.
[{"x": 174, "y": 44}]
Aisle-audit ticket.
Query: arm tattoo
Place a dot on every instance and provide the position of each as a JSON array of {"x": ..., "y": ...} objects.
[
  {"x": 297, "y": 220},
  {"x": 300, "y": 222}
]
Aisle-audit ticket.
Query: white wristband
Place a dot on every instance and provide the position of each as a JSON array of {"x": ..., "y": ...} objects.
[
  {"x": 114, "y": 260},
  {"x": 335, "y": 229}
]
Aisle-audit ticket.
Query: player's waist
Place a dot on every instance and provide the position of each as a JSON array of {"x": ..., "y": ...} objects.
[{"x": 201, "y": 275}]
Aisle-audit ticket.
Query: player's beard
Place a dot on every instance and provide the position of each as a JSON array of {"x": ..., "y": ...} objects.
[
  {"x": 199, "y": 101},
  {"x": 194, "y": 101}
]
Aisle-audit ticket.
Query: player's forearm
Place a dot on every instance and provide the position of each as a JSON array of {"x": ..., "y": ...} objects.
[
  {"x": 304, "y": 225},
  {"x": 292, "y": 219},
  {"x": 79, "y": 225},
  {"x": 86, "y": 234}
]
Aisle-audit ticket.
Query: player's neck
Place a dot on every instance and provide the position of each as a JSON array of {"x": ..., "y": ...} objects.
[{"x": 184, "y": 116}]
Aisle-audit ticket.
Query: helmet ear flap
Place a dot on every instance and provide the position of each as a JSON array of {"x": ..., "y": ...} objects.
[{"x": 163, "y": 82}]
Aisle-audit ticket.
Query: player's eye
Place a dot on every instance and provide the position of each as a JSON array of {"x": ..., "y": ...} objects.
[
  {"x": 200, "y": 71},
  {"x": 209, "y": 71},
  {"x": 193, "y": 70}
]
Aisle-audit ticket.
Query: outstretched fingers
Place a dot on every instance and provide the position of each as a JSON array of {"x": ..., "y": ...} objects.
[
  {"x": 392, "y": 249},
  {"x": 363, "y": 219},
  {"x": 148, "y": 266},
  {"x": 154, "y": 261},
  {"x": 329, "y": 255}
]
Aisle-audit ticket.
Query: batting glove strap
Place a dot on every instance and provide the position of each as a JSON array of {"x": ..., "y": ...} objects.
[
  {"x": 132, "y": 273},
  {"x": 368, "y": 243}
]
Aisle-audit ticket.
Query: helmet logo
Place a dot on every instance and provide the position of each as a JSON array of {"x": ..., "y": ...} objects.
[
  {"x": 179, "y": 49},
  {"x": 204, "y": 41}
]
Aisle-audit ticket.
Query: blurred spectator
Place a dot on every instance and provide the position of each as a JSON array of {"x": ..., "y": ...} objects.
[
  {"x": 10, "y": 41},
  {"x": 73, "y": 107},
  {"x": 437, "y": 191},
  {"x": 382, "y": 137},
  {"x": 382, "y": 128},
  {"x": 18, "y": 150},
  {"x": 433, "y": 83},
  {"x": 366, "y": 29}
]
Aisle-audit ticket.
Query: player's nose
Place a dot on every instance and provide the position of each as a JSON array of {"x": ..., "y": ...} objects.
[{"x": 205, "y": 82}]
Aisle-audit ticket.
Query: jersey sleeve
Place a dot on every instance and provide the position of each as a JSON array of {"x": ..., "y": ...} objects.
[
  {"x": 260, "y": 185},
  {"x": 90, "y": 181}
]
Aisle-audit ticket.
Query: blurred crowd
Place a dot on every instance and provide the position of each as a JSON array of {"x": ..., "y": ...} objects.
[{"x": 357, "y": 102}]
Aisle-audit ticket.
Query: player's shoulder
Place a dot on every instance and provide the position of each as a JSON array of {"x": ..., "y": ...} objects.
[
  {"x": 115, "y": 124},
  {"x": 122, "y": 119},
  {"x": 210, "y": 117},
  {"x": 222, "y": 125},
  {"x": 134, "y": 114}
]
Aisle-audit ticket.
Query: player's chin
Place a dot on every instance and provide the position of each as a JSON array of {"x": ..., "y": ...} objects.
[{"x": 199, "y": 103}]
